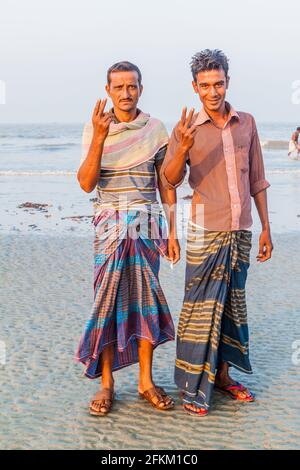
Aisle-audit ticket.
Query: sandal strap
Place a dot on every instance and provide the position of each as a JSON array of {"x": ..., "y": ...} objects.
[
  {"x": 165, "y": 396},
  {"x": 200, "y": 409},
  {"x": 103, "y": 396},
  {"x": 158, "y": 393},
  {"x": 153, "y": 393},
  {"x": 239, "y": 388},
  {"x": 162, "y": 392},
  {"x": 102, "y": 404},
  {"x": 234, "y": 386}
]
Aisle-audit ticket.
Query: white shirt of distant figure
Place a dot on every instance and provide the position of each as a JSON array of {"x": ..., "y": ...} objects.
[{"x": 294, "y": 148}]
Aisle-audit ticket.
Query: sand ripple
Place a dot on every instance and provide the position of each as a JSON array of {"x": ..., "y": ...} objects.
[{"x": 45, "y": 300}]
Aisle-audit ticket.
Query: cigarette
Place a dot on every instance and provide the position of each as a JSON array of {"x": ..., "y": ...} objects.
[{"x": 171, "y": 265}]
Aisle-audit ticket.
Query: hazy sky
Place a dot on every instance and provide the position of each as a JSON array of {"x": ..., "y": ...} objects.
[{"x": 54, "y": 54}]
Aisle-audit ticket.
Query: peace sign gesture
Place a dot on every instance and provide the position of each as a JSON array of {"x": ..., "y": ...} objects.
[
  {"x": 185, "y": 131},
  {"x": 101, "y": 120}
]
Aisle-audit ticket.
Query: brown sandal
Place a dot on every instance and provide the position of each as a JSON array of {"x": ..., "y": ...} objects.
[
  {"x": 105, "y": 397},
  {"x": 161, "y": 398}
]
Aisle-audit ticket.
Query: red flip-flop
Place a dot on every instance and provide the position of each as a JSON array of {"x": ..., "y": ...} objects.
[
  {"x": 201, "y": 412},
  {"x": 228, "y": 389}
]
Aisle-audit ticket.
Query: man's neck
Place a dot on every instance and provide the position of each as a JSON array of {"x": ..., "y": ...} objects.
[
  {"x": 125, "y": 116},
  {"x": 220, "y": 116}
]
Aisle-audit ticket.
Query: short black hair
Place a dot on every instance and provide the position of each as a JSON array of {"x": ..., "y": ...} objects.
[
  {"x": 209, "y": 59},
  {"x": 298, "y": 128},
  {"x": 124, "y": 66}
]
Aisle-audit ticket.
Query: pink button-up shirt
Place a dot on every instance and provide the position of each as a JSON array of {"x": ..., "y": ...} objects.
[{"x": 226, "y": 169}]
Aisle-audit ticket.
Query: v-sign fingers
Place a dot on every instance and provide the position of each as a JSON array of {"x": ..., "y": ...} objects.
[
  {"x": 102, "y": 106},
  {"x": 96, "y": 108},
  {"x": 183, "y": 116},
  {"x": 189, "y": 118}
]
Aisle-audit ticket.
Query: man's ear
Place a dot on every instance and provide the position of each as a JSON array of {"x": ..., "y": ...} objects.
[
  {"x": 107, "y": 89},
  {"x": 141, "y": 89},
  {"x": 227, "y": 82},
  {"x": 195, "y": 86}
]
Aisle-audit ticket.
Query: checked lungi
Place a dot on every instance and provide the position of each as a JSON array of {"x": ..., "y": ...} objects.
[
  {"x": 129, "y": 303},
  {"x": 213, "y": 321}
]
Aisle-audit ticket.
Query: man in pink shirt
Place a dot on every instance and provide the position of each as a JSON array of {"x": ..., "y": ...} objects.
[{"x": 222, "y": 148}]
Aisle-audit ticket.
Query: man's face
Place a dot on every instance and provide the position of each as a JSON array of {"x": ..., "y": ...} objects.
[
  {"x": 124, "y": 90},
  {"x": 211, "y": 87}
]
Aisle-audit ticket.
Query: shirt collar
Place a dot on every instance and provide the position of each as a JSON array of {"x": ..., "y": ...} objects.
[{"x": 204, "y": 117}]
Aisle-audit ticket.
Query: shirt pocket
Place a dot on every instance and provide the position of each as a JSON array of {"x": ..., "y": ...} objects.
[{"x": 242, "y": 155}]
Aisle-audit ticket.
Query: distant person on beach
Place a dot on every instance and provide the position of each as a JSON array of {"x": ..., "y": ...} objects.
[
  {"x": 123, "y": 150},
  {"x": 222, "y": 148},
  {"x": 294, "y": 147}
]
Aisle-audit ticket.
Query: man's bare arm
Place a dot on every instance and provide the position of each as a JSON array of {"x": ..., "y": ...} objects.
[
  {"x": 174, "y": 170},
  {"x": 88, "y": 173},
  {"x": 265, "y": 241},
  {"x": 169, "y": 200}
]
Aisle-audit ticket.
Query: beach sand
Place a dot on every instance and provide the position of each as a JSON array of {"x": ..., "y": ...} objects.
[{"x": 45, "y": 299}]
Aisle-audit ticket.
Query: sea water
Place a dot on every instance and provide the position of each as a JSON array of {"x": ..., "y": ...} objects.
[{"x": 39, "y": 162}]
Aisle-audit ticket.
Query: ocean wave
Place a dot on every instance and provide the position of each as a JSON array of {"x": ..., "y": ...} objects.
[
  {"x": 37, "y": 173},
  {"x": 275, "y": 144},
  {"x": 52, "y": 147},
  {"x": 39, "y": 147},
  {"x": 284, "y": 171},
  {"x": 275, "y": 171},
  {"x": 27, "y": 136}
]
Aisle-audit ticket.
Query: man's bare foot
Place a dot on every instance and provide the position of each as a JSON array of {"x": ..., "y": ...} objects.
[
  {"x": 156, "y": 396},
  {"x": 102, "y": 402},
  {"x": 194, "y": 409},
  {"x": 237, "y": 391}
]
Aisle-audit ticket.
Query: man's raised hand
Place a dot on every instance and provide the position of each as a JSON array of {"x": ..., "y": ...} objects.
[
  {"x": 101, "y": 120},
  {"x": 185, "y": 130}
]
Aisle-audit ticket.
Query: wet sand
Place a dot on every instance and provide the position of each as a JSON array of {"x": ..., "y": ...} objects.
[{"x": 45, "y": 300}]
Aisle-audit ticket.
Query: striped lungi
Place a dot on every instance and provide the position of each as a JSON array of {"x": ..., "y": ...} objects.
[
  {"x": 129, "y": 303},
  {"x": 213, "y": 321}
]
